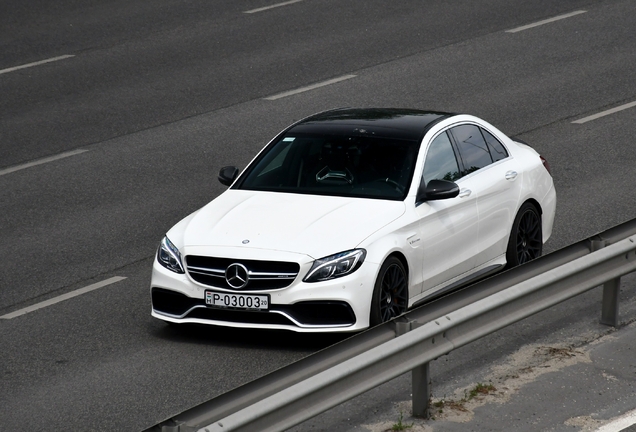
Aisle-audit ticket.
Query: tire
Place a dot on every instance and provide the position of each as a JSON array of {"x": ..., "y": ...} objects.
[
  {"x": 526, "y": 236},
  {"x": 390, "y": 292}
]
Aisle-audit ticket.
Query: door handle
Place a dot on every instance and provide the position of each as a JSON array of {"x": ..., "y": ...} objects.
[
  {"x": 465, "y": 193},
  {"x": 511, "y": 175}
]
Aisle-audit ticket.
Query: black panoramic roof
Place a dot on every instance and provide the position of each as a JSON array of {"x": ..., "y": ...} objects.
[{"x": 397, "y": 123}]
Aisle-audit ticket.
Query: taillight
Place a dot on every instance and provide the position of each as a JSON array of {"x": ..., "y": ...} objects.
[{"x": 546, "y": 164}]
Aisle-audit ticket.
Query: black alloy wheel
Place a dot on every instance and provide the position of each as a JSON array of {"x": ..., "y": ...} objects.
[
  {"x": 391, "y": 291},
  {"x": 526, "y": 237}
]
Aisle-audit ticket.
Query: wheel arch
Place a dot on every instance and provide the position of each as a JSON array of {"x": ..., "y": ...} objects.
[
  {"x": 376, "y": 314},
  {"x": 535, "y": 203},
  {"x": 514, "y": 261},
  {"x": 399, "y": 255}
]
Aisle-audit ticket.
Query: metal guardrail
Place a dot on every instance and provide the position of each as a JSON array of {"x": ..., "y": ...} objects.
[{"x": 323, "y": 380}]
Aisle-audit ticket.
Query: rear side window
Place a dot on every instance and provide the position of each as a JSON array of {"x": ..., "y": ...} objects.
[
  {"x": 472, "y": 148},
  {"x": 497, "y": 150}
]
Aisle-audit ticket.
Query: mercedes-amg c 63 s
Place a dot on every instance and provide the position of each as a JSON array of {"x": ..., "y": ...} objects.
[{"x": 350, "y": 217}]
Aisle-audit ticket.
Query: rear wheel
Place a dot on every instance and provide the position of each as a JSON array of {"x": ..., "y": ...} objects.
[
  {"x": 526, "y": 236},
  {"x": 390, "y": 293}
]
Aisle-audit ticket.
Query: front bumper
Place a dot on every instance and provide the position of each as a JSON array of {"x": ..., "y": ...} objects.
[{"x": 337, "y": 305}]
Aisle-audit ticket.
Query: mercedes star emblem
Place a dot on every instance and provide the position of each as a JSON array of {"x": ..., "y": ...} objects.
[{"x": 236, "y": 276}]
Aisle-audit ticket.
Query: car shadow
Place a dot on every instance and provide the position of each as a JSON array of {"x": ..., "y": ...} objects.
[{"x": 245, "y": 338}]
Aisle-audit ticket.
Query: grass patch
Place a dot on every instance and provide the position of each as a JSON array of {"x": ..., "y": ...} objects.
[
  {"x": 400, "y": 426},
  {"x": 561, "y": 353},
  {"x": 479, "y": 390}
]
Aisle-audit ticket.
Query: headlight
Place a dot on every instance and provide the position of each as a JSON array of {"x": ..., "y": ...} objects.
[
  {"x": 169, "y": 256},
  {"x": 335, "y": 266}
]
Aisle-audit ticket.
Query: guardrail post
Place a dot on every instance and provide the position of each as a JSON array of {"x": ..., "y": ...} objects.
[
  {"x": 403, "y": 325},
  {"x": 609, "y": 308},
  {"x": 421, "y": 387},
  {"x": 420, "y": 376},
  {"x": 597, "y": 243}
]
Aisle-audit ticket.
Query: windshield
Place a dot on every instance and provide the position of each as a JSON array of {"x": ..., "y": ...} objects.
[{"x": 349, "y": 166}]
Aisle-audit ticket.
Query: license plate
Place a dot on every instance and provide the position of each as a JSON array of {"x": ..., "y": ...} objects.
[{"x": 236, "y": 301}]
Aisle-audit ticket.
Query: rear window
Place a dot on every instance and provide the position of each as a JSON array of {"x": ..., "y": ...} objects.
[{"x": 497, "y": 150}]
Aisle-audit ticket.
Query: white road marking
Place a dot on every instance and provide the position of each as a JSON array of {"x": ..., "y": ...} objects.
[
  {"x": 546, "y": 21},
  {"x": 272, "y": 6},
  {"x": 311, "y": 87},
  {"x": 63, "y": 297},
  {"x": 40, "y": 161},
  {"x": 28, "y": 65},
  {"x": 620, "y": 423},
  {"x": 604, "y": 113}
]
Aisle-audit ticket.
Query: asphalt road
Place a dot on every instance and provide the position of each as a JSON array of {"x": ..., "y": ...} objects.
[{"x": 159, "y": 95}]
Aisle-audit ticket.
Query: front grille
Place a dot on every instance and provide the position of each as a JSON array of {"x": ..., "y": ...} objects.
[
  {"x": 311, "y": 313},
  {"x": 263, "y": 275}
]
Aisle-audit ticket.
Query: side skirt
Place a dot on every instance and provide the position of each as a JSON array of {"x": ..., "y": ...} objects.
[{"x": 434, "y": 293}]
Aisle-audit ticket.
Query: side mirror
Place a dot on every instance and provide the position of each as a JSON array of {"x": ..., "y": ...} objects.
[
  {"x": 228, "y": 174},
  {"x": 437, "y": 190}
]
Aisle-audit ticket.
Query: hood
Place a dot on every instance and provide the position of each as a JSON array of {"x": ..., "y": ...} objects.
[{"x": 313, "y": 225}]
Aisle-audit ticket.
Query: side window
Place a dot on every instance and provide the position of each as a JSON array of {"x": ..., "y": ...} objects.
[
  {"x": 497, "y": 150},
  {"x": 472, "y": 148},
  {"x": 440, "y": 163}
]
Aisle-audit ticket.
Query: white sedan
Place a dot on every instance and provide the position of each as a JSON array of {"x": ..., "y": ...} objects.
[{"x": 350, "y": 217}]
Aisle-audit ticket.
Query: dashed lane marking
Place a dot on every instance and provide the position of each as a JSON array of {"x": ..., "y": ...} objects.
[
  {"x": 63, "y": 297},
  {"x": 311, "y": 87},
  {"x": 621, "y": 423},
  {"x": 271, "y": 6},
  {"x": 605, "y": 113},
  {"x": 40, "y": 161},
  {"x": 37, "y": 63},
  {"x": 546, "y": 21}
]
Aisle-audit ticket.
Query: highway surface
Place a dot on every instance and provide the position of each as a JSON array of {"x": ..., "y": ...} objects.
[{"x": 115, "y": 116}]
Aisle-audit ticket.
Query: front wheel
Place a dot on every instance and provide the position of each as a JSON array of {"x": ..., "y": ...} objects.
[
  {"x": 390, "y": 293},
  {"x": 526, "y": 236}
]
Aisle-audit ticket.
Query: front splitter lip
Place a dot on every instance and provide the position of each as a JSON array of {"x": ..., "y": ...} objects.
[{"x": 299, "y": 327}]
